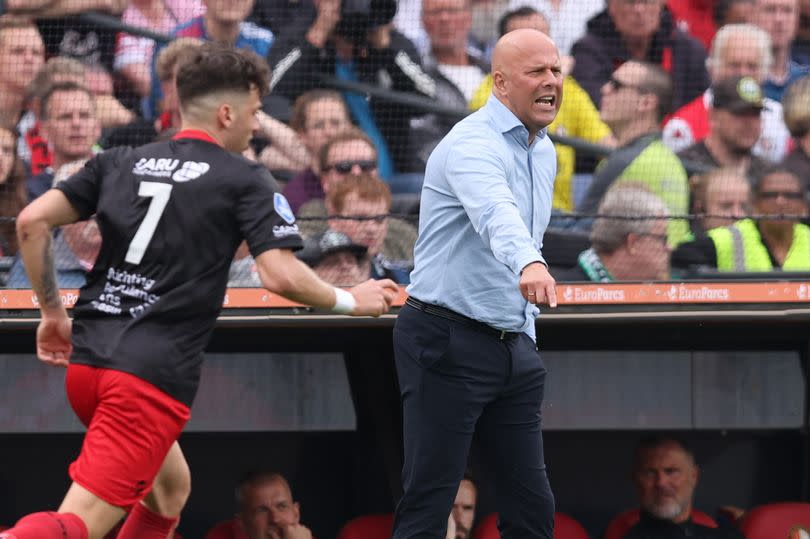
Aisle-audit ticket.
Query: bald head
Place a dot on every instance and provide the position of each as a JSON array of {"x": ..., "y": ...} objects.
[
  {"x": 527, "y": 77},
  {"x": 518, "y": 43}
]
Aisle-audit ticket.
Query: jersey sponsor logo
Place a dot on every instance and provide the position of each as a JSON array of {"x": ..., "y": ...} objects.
[
  {"x": 282, "y": 231},
  {"x": 283, "y": 208},
  {"x": 160, "y": 167},
  {"x": 191, "y": 170}
]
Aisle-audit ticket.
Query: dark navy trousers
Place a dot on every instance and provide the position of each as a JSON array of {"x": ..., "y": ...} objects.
[{"x": 455, "y": 380}]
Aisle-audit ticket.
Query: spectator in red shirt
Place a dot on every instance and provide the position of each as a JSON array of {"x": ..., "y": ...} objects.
[{"x": 695, "y": 17}]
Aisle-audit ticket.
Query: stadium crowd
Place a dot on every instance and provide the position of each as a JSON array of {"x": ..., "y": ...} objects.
[{"x": 680, "y": 96}]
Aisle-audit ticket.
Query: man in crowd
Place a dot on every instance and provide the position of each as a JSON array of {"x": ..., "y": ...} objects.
[
  {"x": 780, "y": 18},
  {"x": 665, "y": 475},
  {"x": 735, "y": 124},
  {"x": 22, "y": 54},
  {"x": 781, "y": 242},
  {"x": 457, "y": 69},
  {"x": 625, "y": 249},
  {"x": 317, "y": 117},
  {"x": 738, "y": 50},
  {"x": 634, "y": 101},
  {"x": 642, "y": 31},
  {"x": 359, "y": 47},
  {"x": 360, "y": 205},
  {"x": 71, "y": 128},
  {"x": 265, "y": 510},
  {"x": 224, "y": 21}
]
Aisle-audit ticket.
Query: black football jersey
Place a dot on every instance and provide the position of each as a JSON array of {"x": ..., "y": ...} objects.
[{"x": 171, "y": 216}]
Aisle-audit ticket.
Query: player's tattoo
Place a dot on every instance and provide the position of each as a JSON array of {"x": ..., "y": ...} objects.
[{"x": 50, "y": 290}]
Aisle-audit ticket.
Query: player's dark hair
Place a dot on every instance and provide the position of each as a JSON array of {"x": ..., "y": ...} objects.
[
  {"x": 214, "y": 68},
  {"x": 64, "y": 86}
]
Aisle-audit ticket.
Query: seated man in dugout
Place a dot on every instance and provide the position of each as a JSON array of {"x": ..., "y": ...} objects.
[
  {"x": 266, "y": 509},
  {"x": 665, "y": 475},
  {"x": 781, "y": 242},
  {"x": 622, "y": 248}
]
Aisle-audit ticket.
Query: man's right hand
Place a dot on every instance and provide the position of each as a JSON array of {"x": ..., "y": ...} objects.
[{"x": 374, "y": 297}]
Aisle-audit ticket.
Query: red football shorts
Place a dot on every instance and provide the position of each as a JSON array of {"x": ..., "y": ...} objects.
[{"x": 131, "y": 425}]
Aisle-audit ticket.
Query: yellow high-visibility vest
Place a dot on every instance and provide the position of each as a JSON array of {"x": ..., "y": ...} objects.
[{"x": 739, "y": 247}]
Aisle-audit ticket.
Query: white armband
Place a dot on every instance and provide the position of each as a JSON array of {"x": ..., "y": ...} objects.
[{"x": 344, "y": 302}]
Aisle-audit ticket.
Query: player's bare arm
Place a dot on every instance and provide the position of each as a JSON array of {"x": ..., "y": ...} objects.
[
  {"x": 282, "y": 273},
  {"x": 34, "y": 225}
]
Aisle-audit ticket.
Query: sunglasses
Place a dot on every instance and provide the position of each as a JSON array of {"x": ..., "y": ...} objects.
[
  {"x": 787, "y": 195},
  {"x": 344, "y": 167}
]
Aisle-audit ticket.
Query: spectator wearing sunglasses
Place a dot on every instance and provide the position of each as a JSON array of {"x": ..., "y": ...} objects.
[
  {"x": 781, "y": 243},
  {"x": 634, "y": 101},
  {"x": 350, "y": 151}
]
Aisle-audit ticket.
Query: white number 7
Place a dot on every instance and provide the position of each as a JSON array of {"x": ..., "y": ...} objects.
[{"x": 159, "y": 192}]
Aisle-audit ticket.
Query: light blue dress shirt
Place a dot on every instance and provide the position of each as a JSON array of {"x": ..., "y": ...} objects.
[{"x": 486, "y": 203}]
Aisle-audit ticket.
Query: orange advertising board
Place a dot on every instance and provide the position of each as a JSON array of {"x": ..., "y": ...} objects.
[{"x": 567, "y": 294}]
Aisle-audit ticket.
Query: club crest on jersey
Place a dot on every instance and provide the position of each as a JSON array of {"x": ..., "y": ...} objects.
[
  {"x": 191, "y": 170},
  {"x": 159, "y": 168},
  {"x": 283, "y": 208}
]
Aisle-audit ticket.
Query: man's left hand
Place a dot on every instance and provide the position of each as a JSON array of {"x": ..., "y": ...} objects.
[
  {"x": 537, "y": 285},
  {"x": 54, "y": 340}
]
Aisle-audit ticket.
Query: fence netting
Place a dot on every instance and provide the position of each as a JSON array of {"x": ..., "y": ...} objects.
[{"x": 682, "y": 138}]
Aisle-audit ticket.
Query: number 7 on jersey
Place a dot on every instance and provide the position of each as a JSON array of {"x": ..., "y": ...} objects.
[{"x": 159, "y": 193}]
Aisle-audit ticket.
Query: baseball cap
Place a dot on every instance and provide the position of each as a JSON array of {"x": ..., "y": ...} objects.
[
  {"x": 737, "y": 94},
  {"x": 326, "y": 243}
]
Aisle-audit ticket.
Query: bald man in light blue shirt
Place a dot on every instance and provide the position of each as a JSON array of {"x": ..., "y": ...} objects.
[{"x": 465, "y": 341}]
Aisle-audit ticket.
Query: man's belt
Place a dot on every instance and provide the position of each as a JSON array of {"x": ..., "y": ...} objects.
[{"x": 448, "y": 314}]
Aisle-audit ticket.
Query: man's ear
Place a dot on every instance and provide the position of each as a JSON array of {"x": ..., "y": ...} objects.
[
  {"x": 630, "y": 242},
  {"x": 499, "y": 82},
  {"x": 648, "y": 102},
  {"x": 225, "y": 115}
]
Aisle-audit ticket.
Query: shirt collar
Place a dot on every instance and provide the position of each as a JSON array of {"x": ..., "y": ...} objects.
[
  {"x": 195, "y": 134},
  {"x": 505, "y": 119}
]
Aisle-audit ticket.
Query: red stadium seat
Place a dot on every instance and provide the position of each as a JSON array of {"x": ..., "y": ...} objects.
[
  {"x": 622, "y": 522},
  {"x": 776, "y": 520},
  {"x": 368, "y": 527},
  {"x": 565, "y": 527}
]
